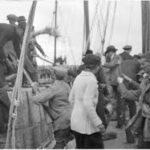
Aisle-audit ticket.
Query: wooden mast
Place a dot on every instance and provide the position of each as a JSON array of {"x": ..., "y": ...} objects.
[
  {"x": 86, "y": 22},
  {"x": 17, "y": 90}
]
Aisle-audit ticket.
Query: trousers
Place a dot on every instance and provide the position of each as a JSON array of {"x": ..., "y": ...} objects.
[{"x": 92, "y": 141}]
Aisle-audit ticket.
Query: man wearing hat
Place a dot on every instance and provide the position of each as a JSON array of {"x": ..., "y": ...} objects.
[
  {"x": 9, "y": 48},
  {"x": 86, "y": 125},
  {"x": 113, "y": 66},
  {"x": 12, "y": 19},
  {"x": 59, "y": 107},
  {"x": 126, "y": 54}
]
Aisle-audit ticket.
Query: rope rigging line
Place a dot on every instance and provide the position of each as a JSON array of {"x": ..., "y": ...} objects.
[
  {"x": 68, "y": 41},
  {"x": 105, "y": 27},
  {"x": 16, "y": 95},
  {"x": 113, "y": 22},
  {"x": 130, "y": 21}
]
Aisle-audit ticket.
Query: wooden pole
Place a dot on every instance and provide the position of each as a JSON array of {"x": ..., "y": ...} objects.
[
  {"x": 86, "y": 20},
  {"x": 17, "y": 90}
]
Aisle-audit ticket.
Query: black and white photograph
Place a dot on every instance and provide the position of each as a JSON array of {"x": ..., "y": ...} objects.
[{"x": 74, "y": 74}]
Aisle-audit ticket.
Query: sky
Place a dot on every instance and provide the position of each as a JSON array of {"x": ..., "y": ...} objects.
[{"x": 127, "y": 25}]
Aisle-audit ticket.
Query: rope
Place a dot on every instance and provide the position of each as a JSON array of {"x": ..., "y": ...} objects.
[
  {"x": 113, "y": 22},
  {"x": 68, "y": 42},
  {"x": 130, "y": 20},
  {"x": 105, "y": 27},
  {"x": 16, "y": 95}
]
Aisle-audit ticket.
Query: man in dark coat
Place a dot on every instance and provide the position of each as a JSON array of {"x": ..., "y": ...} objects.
[
  {"x": 9, "y": 33},
  {"x": 126, "y": 54},
  {"x": 130, "y": 67}
]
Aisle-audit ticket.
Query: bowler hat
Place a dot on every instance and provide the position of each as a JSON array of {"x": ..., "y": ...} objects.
[
  {"x": 110, "y": 48},
  {"x": 91, "y": 60},
  {"x": 127, "y": 47}
]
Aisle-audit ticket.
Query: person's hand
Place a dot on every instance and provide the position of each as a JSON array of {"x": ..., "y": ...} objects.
[
  {"x": 120, "y": 79},
  {"x": 101, "y": 127}
]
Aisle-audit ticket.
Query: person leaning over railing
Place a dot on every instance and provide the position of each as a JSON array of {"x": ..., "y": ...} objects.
[{"x": 59, "y": 107}]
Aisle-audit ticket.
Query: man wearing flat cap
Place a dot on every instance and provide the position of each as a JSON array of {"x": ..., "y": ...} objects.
[
  {"x": 12, "y": 19},
  {"x": 126, "y": 54},
  {"x": 84, "y": 97}
]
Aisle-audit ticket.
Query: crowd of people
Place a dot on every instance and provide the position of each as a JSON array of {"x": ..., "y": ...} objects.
[
  {"x": 116, "y": 90},
  {"x": 83, "y": 100}
]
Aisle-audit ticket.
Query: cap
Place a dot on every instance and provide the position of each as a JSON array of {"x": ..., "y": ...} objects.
[
  {"x": 91, "y": 60},
  {"x": 110, "y": 48},
  {"x": 12, "y": 17},
  {"x": 127, "y": 47}
]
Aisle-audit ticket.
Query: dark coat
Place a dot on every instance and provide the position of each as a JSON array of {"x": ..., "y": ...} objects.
[
  {"x": 100, "y": 109},
  {"x": 125, "y": 56},
  {"x": 130, "y": 68},
  {"x": 8, "y": 33}
]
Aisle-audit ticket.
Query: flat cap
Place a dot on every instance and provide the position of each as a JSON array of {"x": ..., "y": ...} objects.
[
  {"x": 110, "y": 48},
  {"x": 12, "y": 17},
  {"x": 91, "y": 60},
  {"x": 127, "y": 47}
]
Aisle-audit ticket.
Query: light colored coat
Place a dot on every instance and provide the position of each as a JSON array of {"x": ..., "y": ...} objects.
[
  {"x": 59, "y": 106},
  {"x": 113, "y": 69},
  {"x": 84, "y": 97}
]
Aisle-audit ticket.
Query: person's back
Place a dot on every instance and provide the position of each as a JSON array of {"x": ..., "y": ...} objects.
[
  {"x": 59, "y": 102},
  {"x": 125, "y": 56},
  {"x": 81, "y": 90},
  {"x": 130, "y": 67},
  {"x": 8, "y": 33}
]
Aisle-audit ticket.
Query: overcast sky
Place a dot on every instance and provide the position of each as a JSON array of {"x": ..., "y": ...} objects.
[{"x": 127, "y": 24}]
